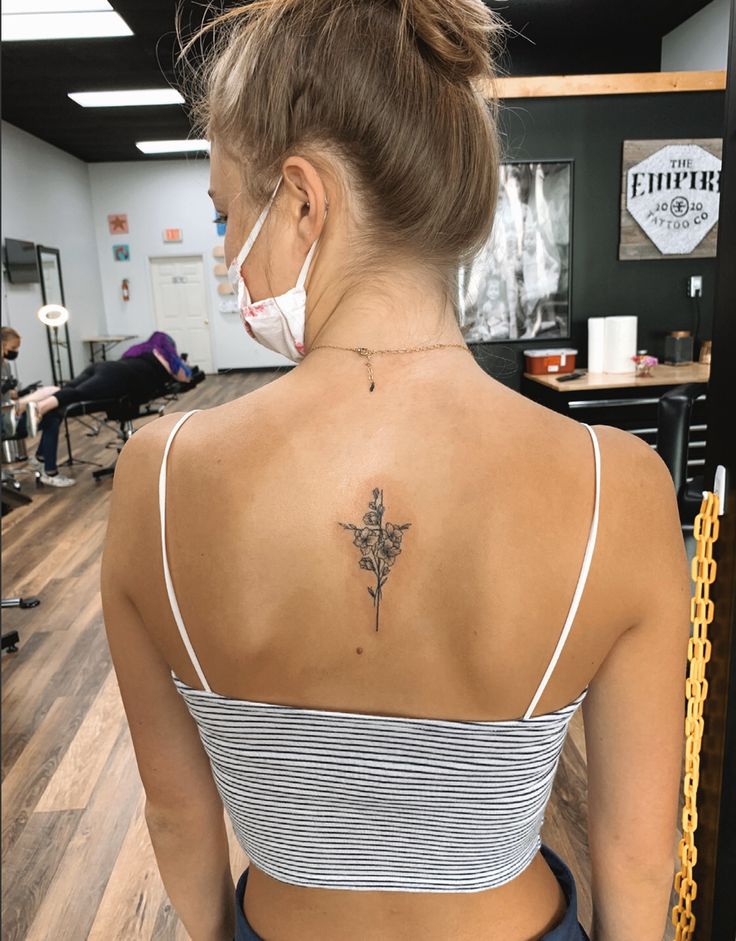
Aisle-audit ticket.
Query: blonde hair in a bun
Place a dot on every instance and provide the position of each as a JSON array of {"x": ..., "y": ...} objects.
[{"x": 394, "y": 89}]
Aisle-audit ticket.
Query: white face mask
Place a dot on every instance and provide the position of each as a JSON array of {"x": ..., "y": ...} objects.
[{"x": 276, "y": 322}]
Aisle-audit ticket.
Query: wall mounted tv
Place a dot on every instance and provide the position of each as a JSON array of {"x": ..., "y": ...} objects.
[{"x": 20, "y": 262}]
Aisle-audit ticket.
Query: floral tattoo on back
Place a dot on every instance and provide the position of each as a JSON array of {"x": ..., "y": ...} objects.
[{"x": 379, "y": 545}]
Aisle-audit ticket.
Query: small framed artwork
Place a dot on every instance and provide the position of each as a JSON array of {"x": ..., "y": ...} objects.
[
  {"x": 518, "y": 286},
  {"x": 117, "y": 223},
  {"x": 121, "y": 252}
]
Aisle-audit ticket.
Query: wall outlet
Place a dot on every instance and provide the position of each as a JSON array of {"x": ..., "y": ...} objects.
[{"x": 695, "y": 286}]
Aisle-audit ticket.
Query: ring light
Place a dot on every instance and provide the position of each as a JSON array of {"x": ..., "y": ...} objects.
[{"x": 53, "y": 315}]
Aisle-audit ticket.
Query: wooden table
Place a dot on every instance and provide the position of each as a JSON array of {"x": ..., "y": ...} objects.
[{"x": 595, "y": 381}]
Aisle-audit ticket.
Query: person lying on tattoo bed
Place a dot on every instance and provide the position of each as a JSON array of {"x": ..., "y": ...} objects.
[{"x": 141, "y": 374}]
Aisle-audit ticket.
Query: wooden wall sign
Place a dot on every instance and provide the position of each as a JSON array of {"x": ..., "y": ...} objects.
[{"x": 670, "y": 193}]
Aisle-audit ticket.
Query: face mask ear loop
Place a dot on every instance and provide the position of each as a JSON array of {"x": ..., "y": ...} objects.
[
  {"x": 302, "y": 279},
  {"x": 256, "y": 230}
]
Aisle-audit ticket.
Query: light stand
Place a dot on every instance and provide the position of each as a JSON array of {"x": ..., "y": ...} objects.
[
  {"x": 55, "y": 316},
  {"x": 57, "y": 343}
]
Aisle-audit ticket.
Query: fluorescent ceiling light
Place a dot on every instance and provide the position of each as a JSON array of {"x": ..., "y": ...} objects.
[
  {"x": 87, "y": 25},
  {"x": 171, "y": 146},
  {"x": 11, "y": 7},
  {"x": 127, "y": 99}
]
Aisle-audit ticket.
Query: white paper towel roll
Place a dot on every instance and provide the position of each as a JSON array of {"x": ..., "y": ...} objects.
[
  {"x": 596, "y": 343},
  {"x": 620, "y": 344}
]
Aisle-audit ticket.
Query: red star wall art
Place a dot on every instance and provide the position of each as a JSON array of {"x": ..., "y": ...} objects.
[{"x": 117, "y": 223}]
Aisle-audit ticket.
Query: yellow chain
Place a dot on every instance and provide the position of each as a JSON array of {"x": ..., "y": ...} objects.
[{"x": 703, "y": 572}]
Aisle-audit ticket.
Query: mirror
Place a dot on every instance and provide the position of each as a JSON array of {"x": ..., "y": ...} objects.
[
  {"x": 49, "y": 265},
  {"x": 52, "y": 291}
]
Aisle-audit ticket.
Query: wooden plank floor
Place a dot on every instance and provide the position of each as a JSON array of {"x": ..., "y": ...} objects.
[{"x": 77, "y": 860}]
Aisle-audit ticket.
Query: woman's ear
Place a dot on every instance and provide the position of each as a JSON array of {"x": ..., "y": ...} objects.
[{"x": 307, "y": 198}]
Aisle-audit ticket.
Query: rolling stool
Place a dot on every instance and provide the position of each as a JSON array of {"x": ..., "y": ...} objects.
[{"x": 10, "y": 639}]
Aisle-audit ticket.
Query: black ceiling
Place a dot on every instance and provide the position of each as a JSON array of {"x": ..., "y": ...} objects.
[{"x": 556, "y": 37}]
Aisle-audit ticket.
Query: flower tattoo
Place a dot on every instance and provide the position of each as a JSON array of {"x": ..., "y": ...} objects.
[{"x": 379, "y": 545}]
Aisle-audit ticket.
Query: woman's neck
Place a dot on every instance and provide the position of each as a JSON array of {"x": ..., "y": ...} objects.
[{"x": 393, "y": 310}]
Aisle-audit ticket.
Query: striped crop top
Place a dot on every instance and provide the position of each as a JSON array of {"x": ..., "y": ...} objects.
[{"x": 346, "y": 800}]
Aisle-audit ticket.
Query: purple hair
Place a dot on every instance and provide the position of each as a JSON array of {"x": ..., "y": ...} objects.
[{"x": 163, "y": 344}]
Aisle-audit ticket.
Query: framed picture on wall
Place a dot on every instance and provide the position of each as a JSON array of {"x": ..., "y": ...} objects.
[
  {"x": 670, "y": 198},
  {"x": 518, "y": 286}
]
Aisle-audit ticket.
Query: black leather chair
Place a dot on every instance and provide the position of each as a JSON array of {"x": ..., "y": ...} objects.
[
  {"x": 118, "y": 412},
  {"x": 673, "y": 435},
  {"x": 122, "y": 412}
]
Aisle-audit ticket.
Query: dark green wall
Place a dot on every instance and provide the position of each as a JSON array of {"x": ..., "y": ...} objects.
[{"x": 591, "y": 132}]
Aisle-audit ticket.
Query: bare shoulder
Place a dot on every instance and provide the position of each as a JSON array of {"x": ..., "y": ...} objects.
[
  {"x": 630, "y": 468},
  {"x": 206, "y": 431},
  {"x": 142, "y": 455},
  {"x": 638, "y": 480},
  {"x": 639, "y": 505},
  {"x": 640, "y": 548},
  {"x": 134, "y": 511},
  {"x": 646, "y": 467}
]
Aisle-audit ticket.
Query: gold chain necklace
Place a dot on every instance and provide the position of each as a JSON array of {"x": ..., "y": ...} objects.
[{"x": 365, "y": 352}]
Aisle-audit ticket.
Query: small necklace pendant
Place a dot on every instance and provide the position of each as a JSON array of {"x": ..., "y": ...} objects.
[{"x": 369, "y": 365}]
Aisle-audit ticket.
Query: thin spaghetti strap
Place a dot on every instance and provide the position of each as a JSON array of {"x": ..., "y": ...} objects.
[
  {"x": 581, "y": 580},
  {"x": 167, "y": 574}
]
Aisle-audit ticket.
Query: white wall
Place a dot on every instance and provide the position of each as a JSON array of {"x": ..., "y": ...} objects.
[
  {"x": 701, "y": 42},
  {"x": 163, "y": 194},
  {"x": 46, "y": 199}
]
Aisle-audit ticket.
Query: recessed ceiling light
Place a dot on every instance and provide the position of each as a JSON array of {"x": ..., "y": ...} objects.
[
  {"x": 171, "y": 146},
  {"x": 18, "y": 27},
  {"x": 127, "y": 99}
]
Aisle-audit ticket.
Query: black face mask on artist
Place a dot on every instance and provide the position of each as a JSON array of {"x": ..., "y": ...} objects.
[{"x": 11, "y": 354}]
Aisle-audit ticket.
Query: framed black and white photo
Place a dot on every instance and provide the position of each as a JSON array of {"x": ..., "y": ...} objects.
[{"x": 518, "y": 286}]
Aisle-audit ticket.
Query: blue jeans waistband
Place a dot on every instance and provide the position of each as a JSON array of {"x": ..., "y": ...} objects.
[{"x": 568, "y": 929}]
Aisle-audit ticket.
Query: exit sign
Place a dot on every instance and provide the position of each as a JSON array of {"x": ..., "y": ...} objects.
[{"x": 173, "y": 235}]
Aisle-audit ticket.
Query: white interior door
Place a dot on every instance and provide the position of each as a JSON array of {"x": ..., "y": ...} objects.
[{"x": 181, "y": 307}]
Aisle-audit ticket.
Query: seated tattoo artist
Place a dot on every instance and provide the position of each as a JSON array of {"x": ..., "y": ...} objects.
[
  {"x": 14, "y": 419},
  {"x": 141, "y": 374}
]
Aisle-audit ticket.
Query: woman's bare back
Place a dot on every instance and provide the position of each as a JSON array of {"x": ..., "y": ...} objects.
[{"x": 498, "y": 495}]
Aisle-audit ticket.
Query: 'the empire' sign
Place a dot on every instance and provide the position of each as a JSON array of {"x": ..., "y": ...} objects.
[{"x": 671, "y": 196}]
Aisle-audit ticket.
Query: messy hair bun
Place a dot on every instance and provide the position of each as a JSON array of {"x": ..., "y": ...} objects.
[
  {"x": 456, "y": 36},
  {"x": 395, "y": 88}
]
